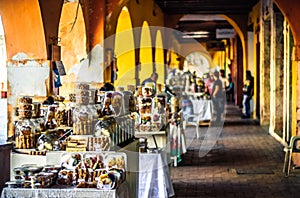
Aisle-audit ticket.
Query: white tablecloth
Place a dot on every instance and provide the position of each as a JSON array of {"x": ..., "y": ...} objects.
[
  {"x": 154, "y": 178},
  {"x": 122, "y": 191},
  {"x": 203, "y": 107},
  {"x": 39, "y": 193}
]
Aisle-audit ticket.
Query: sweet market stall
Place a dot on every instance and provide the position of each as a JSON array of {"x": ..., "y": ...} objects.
[
  {"x": 152, "y": 128},
  {"x": 94, "y": 144},
  {"x": 151, "y": 120},
  {"x": 160, "y": 122},
  {"x": 197, "y": 104},
  {"x": 90, "y": 129}
]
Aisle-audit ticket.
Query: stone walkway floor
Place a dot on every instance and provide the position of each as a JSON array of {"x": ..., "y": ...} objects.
[{"x": 244, "y": 162}]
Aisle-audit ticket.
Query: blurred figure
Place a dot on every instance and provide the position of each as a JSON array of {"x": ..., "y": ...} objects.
[
  {"x": 230, "y": 89},
  {"x": 248, "y": 91},
  {"x": 209, "y": 83},
  {"x": 153, "y": 78},
  {"x": 224, "y": 80},
  {"x": 107, "y": 87},
  {"x": 218, "y": 97}
]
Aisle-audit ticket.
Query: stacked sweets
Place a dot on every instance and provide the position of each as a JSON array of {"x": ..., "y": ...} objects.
[
  {"x": 151, "y": 109},
  {"x": 25, "y": 128},
  {"x": 83, "y": 118}
]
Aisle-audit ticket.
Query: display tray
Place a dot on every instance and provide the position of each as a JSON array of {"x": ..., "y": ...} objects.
[{"x": 139, "y": 134}]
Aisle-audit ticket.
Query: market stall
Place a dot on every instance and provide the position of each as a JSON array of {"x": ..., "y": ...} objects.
[{"x": 104, "y": 125}]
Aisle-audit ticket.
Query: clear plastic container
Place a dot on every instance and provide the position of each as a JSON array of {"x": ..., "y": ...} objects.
[
  {"x": 84, "y": 113},
  {"x": 129, "y": 102},
  {"x": 107, "y": 109},
  {"x": 107, "y": 127},
  {"x": 50, "y": 120},
  {"x": 25, "y": 134},
  {"x": 117, "y": 103},
  {"x": 83, "y": 120},
  {"x": 93, "y": 112}
]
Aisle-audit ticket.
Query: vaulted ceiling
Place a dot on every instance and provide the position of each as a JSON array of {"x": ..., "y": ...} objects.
[
  {"x": 206, "y": 6},
  {"x": 202, "y": 16}
]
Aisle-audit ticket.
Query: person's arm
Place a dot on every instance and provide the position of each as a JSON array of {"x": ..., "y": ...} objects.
[{"x": 217, "y": 88}]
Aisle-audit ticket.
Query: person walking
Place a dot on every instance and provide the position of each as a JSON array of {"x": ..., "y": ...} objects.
[
  {"x": 248, "y": 91},
  {"x": 218, "y": 96}
]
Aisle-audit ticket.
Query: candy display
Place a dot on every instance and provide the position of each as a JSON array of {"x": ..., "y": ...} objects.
[
  {"x": 84, "y": 118},
  {"x": 25, "y": 107},
  {"x": 100, "y": 143},
  {"x": 50, "y": 121},
  {"x": 34, "y": 176},
  {"x": 129, "y": 102},
  {"x": 25, "y": 128},
  {"x": 77, "y": 170},
  {"x": 151, "y": 111}
]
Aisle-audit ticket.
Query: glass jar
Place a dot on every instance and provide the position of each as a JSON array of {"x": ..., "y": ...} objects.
[
  {"x": 69, "y": 111},
  {"x": 50, "y": 120},
  {"x": 39, "y": 125},
  {"x": 25, "y": 134},
  {"x": 93, "y": 108},
  {"x": 82, "y": 120},
  {"x": 129, "y": 102},
  {"x": 107, "y": 109},
  {"x": 117, "y": 103},
  {"x": 84, "y": 116},
  {"x": 107, "y": 126},
  {"x": 159, "y": 104},
  {"x": 61, "y": 115}
]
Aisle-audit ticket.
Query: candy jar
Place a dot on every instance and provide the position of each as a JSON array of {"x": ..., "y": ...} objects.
[
  {"x": 93, "y": 108},
  {"x": 106, "y": 127},
  {"x": 50, "y": 121},
  {"x": 25, "y": 134},
  {"x": 25, "y": 128},
  {"x": 82, "y": 120},
  {"x": 82, "y": 114},
  {"x": 117, "y": 101},
  {"x": 107, "y": 109}
]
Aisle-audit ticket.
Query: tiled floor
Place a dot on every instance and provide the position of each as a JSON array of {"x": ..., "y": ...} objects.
[{"x": 245, "y": 161}]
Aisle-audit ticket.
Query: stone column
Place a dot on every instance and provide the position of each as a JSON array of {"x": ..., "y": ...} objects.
[
  {"x": 287, "y": 84},
  {"x": 265, "y": 73},
  {"x": 277, "y": 75}
]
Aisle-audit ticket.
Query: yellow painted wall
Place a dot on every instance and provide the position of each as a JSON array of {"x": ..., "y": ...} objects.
[
  {"x": 124, "y": 50},
  {"x": 159, "y": 58},
  {"x": 139, "y": 13},
  {"x": 146, "y": 67}
]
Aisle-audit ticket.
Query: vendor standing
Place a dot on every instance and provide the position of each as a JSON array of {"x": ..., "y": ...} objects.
[
  {"x": 218, "y": 96},
  {"x": 153, "y": 78}
]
